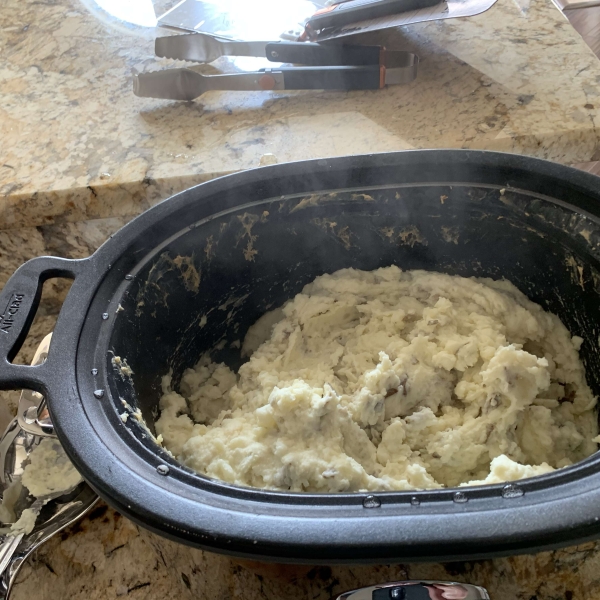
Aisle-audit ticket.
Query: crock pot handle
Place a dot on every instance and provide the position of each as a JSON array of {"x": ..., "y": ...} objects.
[
  {"x": 418, "y": 590},
  {"x": 19, "y": 301}
]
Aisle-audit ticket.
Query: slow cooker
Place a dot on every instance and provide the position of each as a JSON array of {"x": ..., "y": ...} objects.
[{"x": 239, "y": 245}]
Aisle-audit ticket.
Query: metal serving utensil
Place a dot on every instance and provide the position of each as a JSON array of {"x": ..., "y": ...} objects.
[
  {"x": 32, "y": 414},
  {"x": 55, "y": 515},
  {"x": 203, "y": 48},
  {"x": 418, "y": 590},
  {"x": 331, "y": 67},
  {"x": 54, "y": 511},
  {"x": 186, "y": 84}
]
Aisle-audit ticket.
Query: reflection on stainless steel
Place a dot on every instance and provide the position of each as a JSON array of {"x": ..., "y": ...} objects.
[
  {"x": 241, "y": 19},
  {"x": 203, "y": 48},
  {"x": 54, "y": 511},
  {"x": 418, "y": 590},
  {"x": 185, "y": 84},
  {"x": 130, "y": 19},
  {"x": 32, "y": 413},
  {"x": 54, "y": 517},
  {"x": 15, "y": 447},
  {"x": 136, "y": 12}
]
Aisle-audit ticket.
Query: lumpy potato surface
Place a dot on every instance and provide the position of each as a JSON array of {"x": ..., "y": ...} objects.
[{"x": 388, "y": 380}]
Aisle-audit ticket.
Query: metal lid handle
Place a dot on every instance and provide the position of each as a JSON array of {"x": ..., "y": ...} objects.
[{"x": 418, "y": 590}]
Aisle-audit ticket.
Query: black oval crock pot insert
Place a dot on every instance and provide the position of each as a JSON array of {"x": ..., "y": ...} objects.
[{"x": 231, "y": 249}]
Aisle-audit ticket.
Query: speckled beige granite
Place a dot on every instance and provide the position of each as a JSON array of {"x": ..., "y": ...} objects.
[
  {"x": 77, "y": 145},
  {"x": 105, "y": 556}
]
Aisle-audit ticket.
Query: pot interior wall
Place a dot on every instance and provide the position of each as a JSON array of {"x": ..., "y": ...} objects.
[{"x": 204, "y": 289}]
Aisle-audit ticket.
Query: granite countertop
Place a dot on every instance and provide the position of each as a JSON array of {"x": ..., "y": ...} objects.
[
  {"x": 105, "y": 557},
  {"x": 80, "y": 155},
  {"x": 77, "y": 144}
]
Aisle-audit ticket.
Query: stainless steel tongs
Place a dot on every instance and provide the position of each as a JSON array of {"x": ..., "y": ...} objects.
[{"x": 331, "y": 67}]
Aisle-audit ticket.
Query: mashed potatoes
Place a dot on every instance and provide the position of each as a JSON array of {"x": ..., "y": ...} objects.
[{"x": 388, "y": 380}]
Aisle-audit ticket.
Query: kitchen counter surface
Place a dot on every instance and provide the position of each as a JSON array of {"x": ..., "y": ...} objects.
[
  {"x": 80, "y": 155},
  {"x": 77, "y": 144},
  {"x": 105, "y": 557}
]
